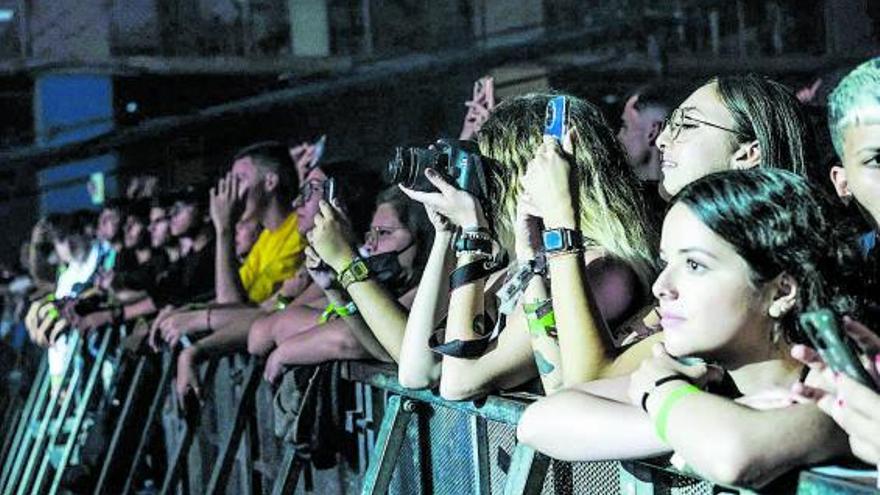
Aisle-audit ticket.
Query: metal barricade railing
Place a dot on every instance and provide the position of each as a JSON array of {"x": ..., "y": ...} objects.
[{"x": 408, "y": 442}]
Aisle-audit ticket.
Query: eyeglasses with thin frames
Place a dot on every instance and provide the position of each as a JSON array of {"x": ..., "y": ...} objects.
[
  {"x": 378, "y": 232},
  {"x": 678, "y": 119},
  {"x": 306, "y": 191}
]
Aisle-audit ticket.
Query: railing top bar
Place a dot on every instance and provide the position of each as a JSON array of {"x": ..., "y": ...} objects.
[{"x": 501, "y": 409}]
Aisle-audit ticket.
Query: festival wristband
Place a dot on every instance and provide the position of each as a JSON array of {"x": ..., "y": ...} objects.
[
  {"x": 347, "y": 309},
  {"x": 678, "y": 393},
  {"x": 540, "y": 318}
]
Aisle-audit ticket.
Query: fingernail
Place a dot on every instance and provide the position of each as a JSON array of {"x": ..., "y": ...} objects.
[
  {"x": 430, "y": 172},
  {"x": 839, "y": 403}
]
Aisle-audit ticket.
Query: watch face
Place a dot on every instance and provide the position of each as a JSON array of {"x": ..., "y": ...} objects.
[
  {"x": 553, "y": 240},
  {"x": 359, "y": 270}
]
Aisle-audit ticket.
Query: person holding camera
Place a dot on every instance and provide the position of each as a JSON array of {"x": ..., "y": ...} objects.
[
  {"x": 745, "y": 253},
  {"x": 607, "y": 241},
  {"x": 854, "y": 122}
]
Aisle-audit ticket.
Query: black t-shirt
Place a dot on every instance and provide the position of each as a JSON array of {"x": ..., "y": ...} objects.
[
  {"x": 189, "y": 279},
  {"x": 131, "y": 274}
]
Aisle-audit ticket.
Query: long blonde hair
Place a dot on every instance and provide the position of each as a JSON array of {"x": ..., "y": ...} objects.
[{"x": 610, "y": 212}]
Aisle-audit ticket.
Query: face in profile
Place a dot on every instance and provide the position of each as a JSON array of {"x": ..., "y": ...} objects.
[
  {"x": 691, "y": 147},
  {"x": 183, "y": 218},
  {"x": 249, "y": 183},
  {"x": 306, "y": 203},
  {"x": 388, "y": 234},
  {"x": 63, "y": 251},
  {"x": 708, "y": 305},
  {"x": 636, "y": 135},
  {"x": 246, "y": 233},
  {"x": 160, "y": 227},
  {"x": 134, "y": 233},
  {"x": 861, "y": 167},
  {"x": 109, "y": 223}
]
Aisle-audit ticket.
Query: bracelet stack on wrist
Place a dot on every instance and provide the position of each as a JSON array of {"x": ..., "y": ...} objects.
[{"x": 473, "y": 241}]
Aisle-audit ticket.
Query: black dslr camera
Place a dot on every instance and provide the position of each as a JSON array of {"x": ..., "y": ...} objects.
[{"x": 458, "y": 162}]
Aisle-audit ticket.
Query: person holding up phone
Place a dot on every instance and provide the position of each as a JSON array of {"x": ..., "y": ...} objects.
[
  {"x": 854, "y": 122},
  {"x": 610, "y": 238}
]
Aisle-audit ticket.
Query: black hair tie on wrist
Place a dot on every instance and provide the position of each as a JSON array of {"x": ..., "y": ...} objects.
[{"x": 665, "y": 379}]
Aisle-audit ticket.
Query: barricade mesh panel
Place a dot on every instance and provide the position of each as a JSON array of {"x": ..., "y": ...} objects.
[
  {"x": 406, "y": 476},
  {"x": 447, "y": 455},
  {"x": 582, "y": 478},
  {"x": 502, "y": 438},
  {"x": 671, "y": 484}
]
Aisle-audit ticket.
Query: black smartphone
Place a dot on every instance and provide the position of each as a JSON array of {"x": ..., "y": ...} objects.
[
  {"x": 836, "y": 349},
  {"x": 330, "y": 190},
  {"x": 556, "y": 118}
]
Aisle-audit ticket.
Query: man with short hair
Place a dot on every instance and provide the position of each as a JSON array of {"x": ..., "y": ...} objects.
[
  {"x": 641, "y": 122},
  {"x": 265, "y": 177}
]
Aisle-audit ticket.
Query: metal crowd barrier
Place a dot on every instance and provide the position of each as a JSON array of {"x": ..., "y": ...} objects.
[{"x": 397, "y": 441}]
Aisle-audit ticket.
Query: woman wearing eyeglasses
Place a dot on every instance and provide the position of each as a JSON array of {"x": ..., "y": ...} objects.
[
  {"x": 735, "y": 123},
  {"x": 366, "y": 290}
]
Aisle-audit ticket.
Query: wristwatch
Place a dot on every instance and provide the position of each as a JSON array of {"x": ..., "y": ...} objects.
[
  {"x": 356, "y": 271},
  {"x": 561, "y": 240}
]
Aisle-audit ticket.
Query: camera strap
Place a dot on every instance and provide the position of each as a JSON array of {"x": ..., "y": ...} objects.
[
  {"x": 508, "y": 298},
  {"x": 477, "y": 270},
  {"x": 473, "y": 348}
]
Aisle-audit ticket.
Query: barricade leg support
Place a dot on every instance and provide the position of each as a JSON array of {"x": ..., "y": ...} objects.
[
  {"x": 155, "y": 406},
  {"x": 24, "y": 466},
  {"x": 398, "y": 413},
  {"x": 528, "y": 469},
  {"x": 176, "y": 465},
  {"x": 26, "y": 416},
  {"x": 227, "y": 452},
  {"x": 91, "y": 387},
  {"x": 123, "y": 423},
  {"x": 288, "y": 474}
]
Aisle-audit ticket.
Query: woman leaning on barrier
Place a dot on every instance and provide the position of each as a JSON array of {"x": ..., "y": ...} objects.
[
  {"x": 370, "y": 291},
  {"x": 745, "y": 253},
  {"x": 585, "y": 192}
]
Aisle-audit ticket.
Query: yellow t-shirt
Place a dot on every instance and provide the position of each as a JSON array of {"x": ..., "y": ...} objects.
[{"x": 274, "y": 258}]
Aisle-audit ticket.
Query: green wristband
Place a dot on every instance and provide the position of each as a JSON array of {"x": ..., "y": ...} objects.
[
  {"x": 678, "y": 393},
  {"x": 540, "y": 317}
]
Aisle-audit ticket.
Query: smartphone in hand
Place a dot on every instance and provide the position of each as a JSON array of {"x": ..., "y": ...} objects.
[
  {"x": 556, "y": 118},
  {"x": 330, "y": 190},
  {"x": 834, "y": 347}
]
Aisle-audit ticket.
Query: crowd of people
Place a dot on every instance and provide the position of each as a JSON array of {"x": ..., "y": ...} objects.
[{"x": 649, "y": 284}]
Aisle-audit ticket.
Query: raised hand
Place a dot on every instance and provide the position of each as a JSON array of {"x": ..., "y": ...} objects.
[
  {"x": 547, "y": 181},
  {"x": 223, "y": 200},
  {"x": 457, "y": 206},
  {"x": 480, "y": 106},
  {"x": 331, "y": 237}
]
